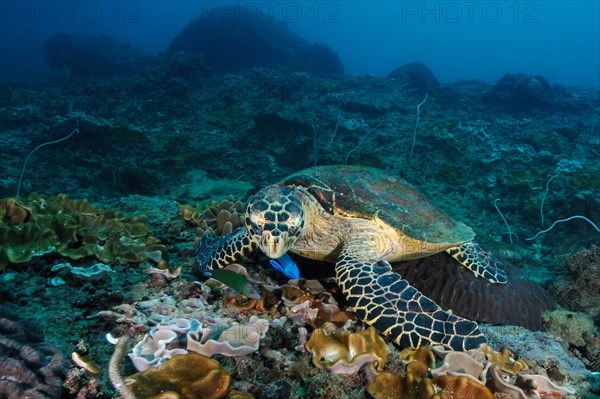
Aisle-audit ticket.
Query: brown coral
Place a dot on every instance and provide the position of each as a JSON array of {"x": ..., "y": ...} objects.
[
  {"x": 13, "y": 212},
  {"x": 217, "y": 218},
  {"x": 416, "y": 385},
  {"x": 74, "y": 229},
  {"x": 308, "y": 302},
  {"x": 455, "y": 386},
  {"x": 189, "y": 376},
  {"x": 387, "y": 386},
  {"x": 268, "y": 301},
  {"x": 346, "y": 353}
]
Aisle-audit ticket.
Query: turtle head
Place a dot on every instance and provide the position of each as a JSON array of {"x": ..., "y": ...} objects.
[{"x": 275, "y": 219}]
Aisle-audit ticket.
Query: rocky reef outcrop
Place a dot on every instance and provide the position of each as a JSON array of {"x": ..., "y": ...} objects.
[{"x": 232, "y": 43}]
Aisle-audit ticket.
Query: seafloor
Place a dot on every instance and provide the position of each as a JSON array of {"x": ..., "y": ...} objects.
[{"x": 143, "y": 149}]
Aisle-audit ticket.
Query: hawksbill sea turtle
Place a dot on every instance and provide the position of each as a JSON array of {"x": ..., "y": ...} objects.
[{"x": 362, "y": 219}]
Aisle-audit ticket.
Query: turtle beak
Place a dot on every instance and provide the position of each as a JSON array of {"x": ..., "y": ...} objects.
[{"x": 274, "y": 246}]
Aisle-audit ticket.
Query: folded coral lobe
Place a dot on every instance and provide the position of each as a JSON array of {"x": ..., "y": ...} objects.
[{"x": 441, "y": 278}]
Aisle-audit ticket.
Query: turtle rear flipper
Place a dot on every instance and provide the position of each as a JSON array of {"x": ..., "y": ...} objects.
[
  {"x": 480, "y": 262},
  {"x": 383, "y": 299},
  {"x": 218, "y": 252}
]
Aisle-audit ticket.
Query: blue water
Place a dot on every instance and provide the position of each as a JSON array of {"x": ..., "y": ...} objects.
[
  {"x": 179, "y": 111},
  {"x": 481, "y": 40}
]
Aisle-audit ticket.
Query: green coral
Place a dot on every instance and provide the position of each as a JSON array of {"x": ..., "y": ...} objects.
[{"x": 74, "y": 229}]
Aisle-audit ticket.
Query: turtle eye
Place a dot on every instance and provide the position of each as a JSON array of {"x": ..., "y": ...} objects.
[
  {"x": 294, "y": 223},
  {"x": 256, "y": 230}
]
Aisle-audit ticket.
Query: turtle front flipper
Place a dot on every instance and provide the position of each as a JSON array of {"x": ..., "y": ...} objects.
[
  {"x": 218, "y": 252},
  {"x": 383, "y": 299},
  {"x": 481, "y": 263}
]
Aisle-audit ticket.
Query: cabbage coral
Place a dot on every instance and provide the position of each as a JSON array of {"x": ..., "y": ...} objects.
[{"x": 74, "y": 229}]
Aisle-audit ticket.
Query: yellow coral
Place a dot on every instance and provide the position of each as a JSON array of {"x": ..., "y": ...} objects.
[
  {"x": 347, "y": 353},
  {"x": 504, "y": 361}
]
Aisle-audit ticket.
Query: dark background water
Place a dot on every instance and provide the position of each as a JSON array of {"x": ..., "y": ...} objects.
[{"x": 559, "y": 40}]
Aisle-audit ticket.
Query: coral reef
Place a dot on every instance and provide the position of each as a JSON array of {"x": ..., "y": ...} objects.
[
  {"x": 268, "y": 302},
  {"x": 93, "y": 272},
  {"x": 231, "y": 339},
  {"x": 503, "y": 360},
  {"x": 197, "y": 185},
  {"x": 262, "y": 124},
  {"x": 475, "y": 374},
  {"x": 542, "y": 352},
  {"x": 580, "y": 289},
  {"x": 308, "y": 302},
  {"x": 74, "y": 229},
  {"x": 416, "y": 384},
  {"x": 573, "y": 327},
  {"x": 29, "y": 367},
  {"x": 516, "y": 89},
  {"x": 151, "y": 312},
  {"x": 579, "y": 333}
]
